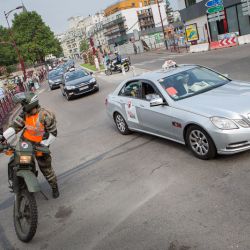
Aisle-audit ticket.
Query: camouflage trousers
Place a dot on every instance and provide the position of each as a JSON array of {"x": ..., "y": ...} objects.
[{"x": 45, "y": 166}]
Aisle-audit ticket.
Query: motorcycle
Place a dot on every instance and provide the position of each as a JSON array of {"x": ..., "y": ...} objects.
[
  {"x": 113, "y": 67},
  {"x": 22, "y": 178}
]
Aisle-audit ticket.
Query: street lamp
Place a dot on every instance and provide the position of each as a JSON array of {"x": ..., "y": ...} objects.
[{"x": 6, "y": 14}]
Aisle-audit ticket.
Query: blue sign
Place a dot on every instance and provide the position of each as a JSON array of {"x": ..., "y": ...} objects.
[{"x": 212, "y": 3}]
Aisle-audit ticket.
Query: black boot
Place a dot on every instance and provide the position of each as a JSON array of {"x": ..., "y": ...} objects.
[{"x": 55, "y": 192}]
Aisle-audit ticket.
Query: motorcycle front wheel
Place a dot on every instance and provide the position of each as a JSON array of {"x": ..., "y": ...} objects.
[{"x": 25, "y": 215}]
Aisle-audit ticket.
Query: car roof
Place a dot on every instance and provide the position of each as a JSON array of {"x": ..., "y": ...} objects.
[{"x": 163, "y": 73}]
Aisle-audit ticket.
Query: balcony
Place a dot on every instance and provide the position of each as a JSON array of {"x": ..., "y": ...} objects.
[
  {"x": 144, "y": 14},
  {"x": 114, "y": 22}
]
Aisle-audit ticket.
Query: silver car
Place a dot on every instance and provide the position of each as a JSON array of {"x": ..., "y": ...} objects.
[{"x": 189, "y": 104}]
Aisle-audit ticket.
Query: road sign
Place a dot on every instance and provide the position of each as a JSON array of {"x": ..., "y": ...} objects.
[
  {"x": 213, "y": 3},
  {"x": 215, "y": 9}
]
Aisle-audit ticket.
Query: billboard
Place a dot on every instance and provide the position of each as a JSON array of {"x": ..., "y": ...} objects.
[{"x": 192, "y": 32}]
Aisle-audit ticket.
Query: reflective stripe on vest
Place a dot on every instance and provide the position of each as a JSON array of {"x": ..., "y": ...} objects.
[{"x": 34, "y": 129}]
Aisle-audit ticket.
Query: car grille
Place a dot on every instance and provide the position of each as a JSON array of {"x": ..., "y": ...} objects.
[{"x": 81, "y": 84}]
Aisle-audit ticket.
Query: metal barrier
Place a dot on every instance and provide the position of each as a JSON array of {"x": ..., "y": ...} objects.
[{"x": 6, "y": 106}]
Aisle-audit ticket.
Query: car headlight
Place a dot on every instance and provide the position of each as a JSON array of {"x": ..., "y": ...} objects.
[
  {"x": 92, "y": 80},
  {"x": 25, "y": 159},
  {"x": 223, "y": 123},
  {"x": 51, "y": 82},
  {"x": 70, "y": 87},
  {"x": 242, "y": 123}
]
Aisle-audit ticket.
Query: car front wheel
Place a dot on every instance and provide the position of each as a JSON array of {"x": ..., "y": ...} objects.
[
  {"x": 200, "y": 143},
  {"x": 121, "y": 124}
]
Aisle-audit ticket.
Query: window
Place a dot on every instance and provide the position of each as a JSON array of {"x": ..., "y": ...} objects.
[
  {"x": 192, "y": 82},
  {"x": 244, "y": 21},
  {"x": 131, "y": 89},
  {"x": 232, "y": 19},
  {"x": 190, "y": 2},
  {"x": 149, "y": 92}
]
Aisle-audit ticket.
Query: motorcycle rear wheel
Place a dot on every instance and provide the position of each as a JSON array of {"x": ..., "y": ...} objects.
[
  {"x": 108, "y": 72},
  {"x": 25, "y": 216}
]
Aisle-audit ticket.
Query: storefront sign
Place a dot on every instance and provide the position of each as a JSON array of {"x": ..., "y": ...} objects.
[
  {"x": 192, "y": 32},
  {"x": 245, "y": 7}
]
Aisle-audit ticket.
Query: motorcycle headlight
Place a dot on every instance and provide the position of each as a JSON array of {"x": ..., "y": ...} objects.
[
  {"x": 25, "y": 159},
  {"x": 70, "y": 87},
  {"x": 223, "y": 123},
  {"x": 92, "y": 80}
]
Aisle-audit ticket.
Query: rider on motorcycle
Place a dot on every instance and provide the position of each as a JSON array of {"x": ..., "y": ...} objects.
[{"x": 38, "y": 124}]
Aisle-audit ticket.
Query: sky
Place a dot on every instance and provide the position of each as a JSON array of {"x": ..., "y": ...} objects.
[{"x": 56, "y": 12}]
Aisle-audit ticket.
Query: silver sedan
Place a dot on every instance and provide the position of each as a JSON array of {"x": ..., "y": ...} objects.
[{"x": 189, "y": 104}]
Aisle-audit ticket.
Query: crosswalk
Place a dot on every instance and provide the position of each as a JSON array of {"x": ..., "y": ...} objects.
[{"x": 158, "y": 60}]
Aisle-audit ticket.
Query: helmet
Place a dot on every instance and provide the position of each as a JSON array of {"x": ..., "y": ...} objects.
[{"x": 28, "y": 100}]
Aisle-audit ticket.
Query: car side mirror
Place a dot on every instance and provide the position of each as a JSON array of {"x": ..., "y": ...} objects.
[
  {"x": 157, "y": 102},
  {"x": 91, "y": 73}
]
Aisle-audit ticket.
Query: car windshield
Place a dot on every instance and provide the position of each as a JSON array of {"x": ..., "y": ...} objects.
[
  {"x": 75, "y": 75},
  {"x": 192, "y": 82}
]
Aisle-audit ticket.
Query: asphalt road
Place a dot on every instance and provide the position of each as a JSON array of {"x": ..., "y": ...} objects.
[
  {"x": 233, "y": 61},
  {"x": 135, "y": 192}
]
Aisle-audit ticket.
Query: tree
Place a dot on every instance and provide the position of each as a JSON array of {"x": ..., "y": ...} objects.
[
  {"x": 169, "y": 12},
  {"x": 8, "y": 54},
  {"x": 34, "y": 38},
  {"x": 84, "y": 46}
]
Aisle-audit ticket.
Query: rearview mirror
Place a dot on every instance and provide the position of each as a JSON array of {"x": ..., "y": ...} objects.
[{"x": 156, "y": 102}]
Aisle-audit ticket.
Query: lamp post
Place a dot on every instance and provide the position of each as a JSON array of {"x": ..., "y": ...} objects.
[
  {"x": 164, "y": 34},
  {"x": 21, "y": 61}
]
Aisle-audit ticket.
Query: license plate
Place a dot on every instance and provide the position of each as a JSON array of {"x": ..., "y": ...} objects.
[{"x": 83, "y": 88}]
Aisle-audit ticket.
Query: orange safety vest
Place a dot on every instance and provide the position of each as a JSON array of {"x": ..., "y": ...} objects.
[{"x": 34, "y": 129}]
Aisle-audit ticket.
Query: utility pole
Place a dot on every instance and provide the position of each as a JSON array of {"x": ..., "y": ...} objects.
[
  {"x": 21, "y": 61},
  {"x": 164, "y": 34}
]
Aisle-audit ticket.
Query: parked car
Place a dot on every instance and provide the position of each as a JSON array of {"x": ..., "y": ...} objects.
[
  {"x": 55, "y": 78},
  {"x": 77, "y": 83},
  {"x": 189, "y": 104}
]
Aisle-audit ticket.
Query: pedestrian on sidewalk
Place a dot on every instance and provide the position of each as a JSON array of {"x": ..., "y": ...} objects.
[{"x": 97, "y": 65}]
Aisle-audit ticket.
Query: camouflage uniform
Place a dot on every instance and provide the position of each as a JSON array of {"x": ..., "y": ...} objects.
[{"x": 48, "y": 120}]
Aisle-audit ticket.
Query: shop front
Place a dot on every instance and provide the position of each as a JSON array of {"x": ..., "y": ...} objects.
[{"x": 235, "y": 22}]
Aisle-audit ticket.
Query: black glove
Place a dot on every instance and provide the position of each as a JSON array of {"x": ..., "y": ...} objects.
[{"x": 45, "y": 135}]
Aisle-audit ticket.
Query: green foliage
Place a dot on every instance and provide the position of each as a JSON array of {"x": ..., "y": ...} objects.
[
  {"x": 84, "y": 46},
  {"x": 33, "y": 37},
  {"x": 7, "y": 53}
]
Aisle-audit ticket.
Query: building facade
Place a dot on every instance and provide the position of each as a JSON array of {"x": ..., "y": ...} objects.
[
  {"x": 128, "y": 4},
  {"x": 80, "y": 28},
  {"x": 195, "y": 11},
  {"x": 119, "y": 27}
]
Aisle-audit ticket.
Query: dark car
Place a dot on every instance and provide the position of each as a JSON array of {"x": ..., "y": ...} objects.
[
  {"x": 55, "y": 78},
  {"x": 77, "y": 83}
]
